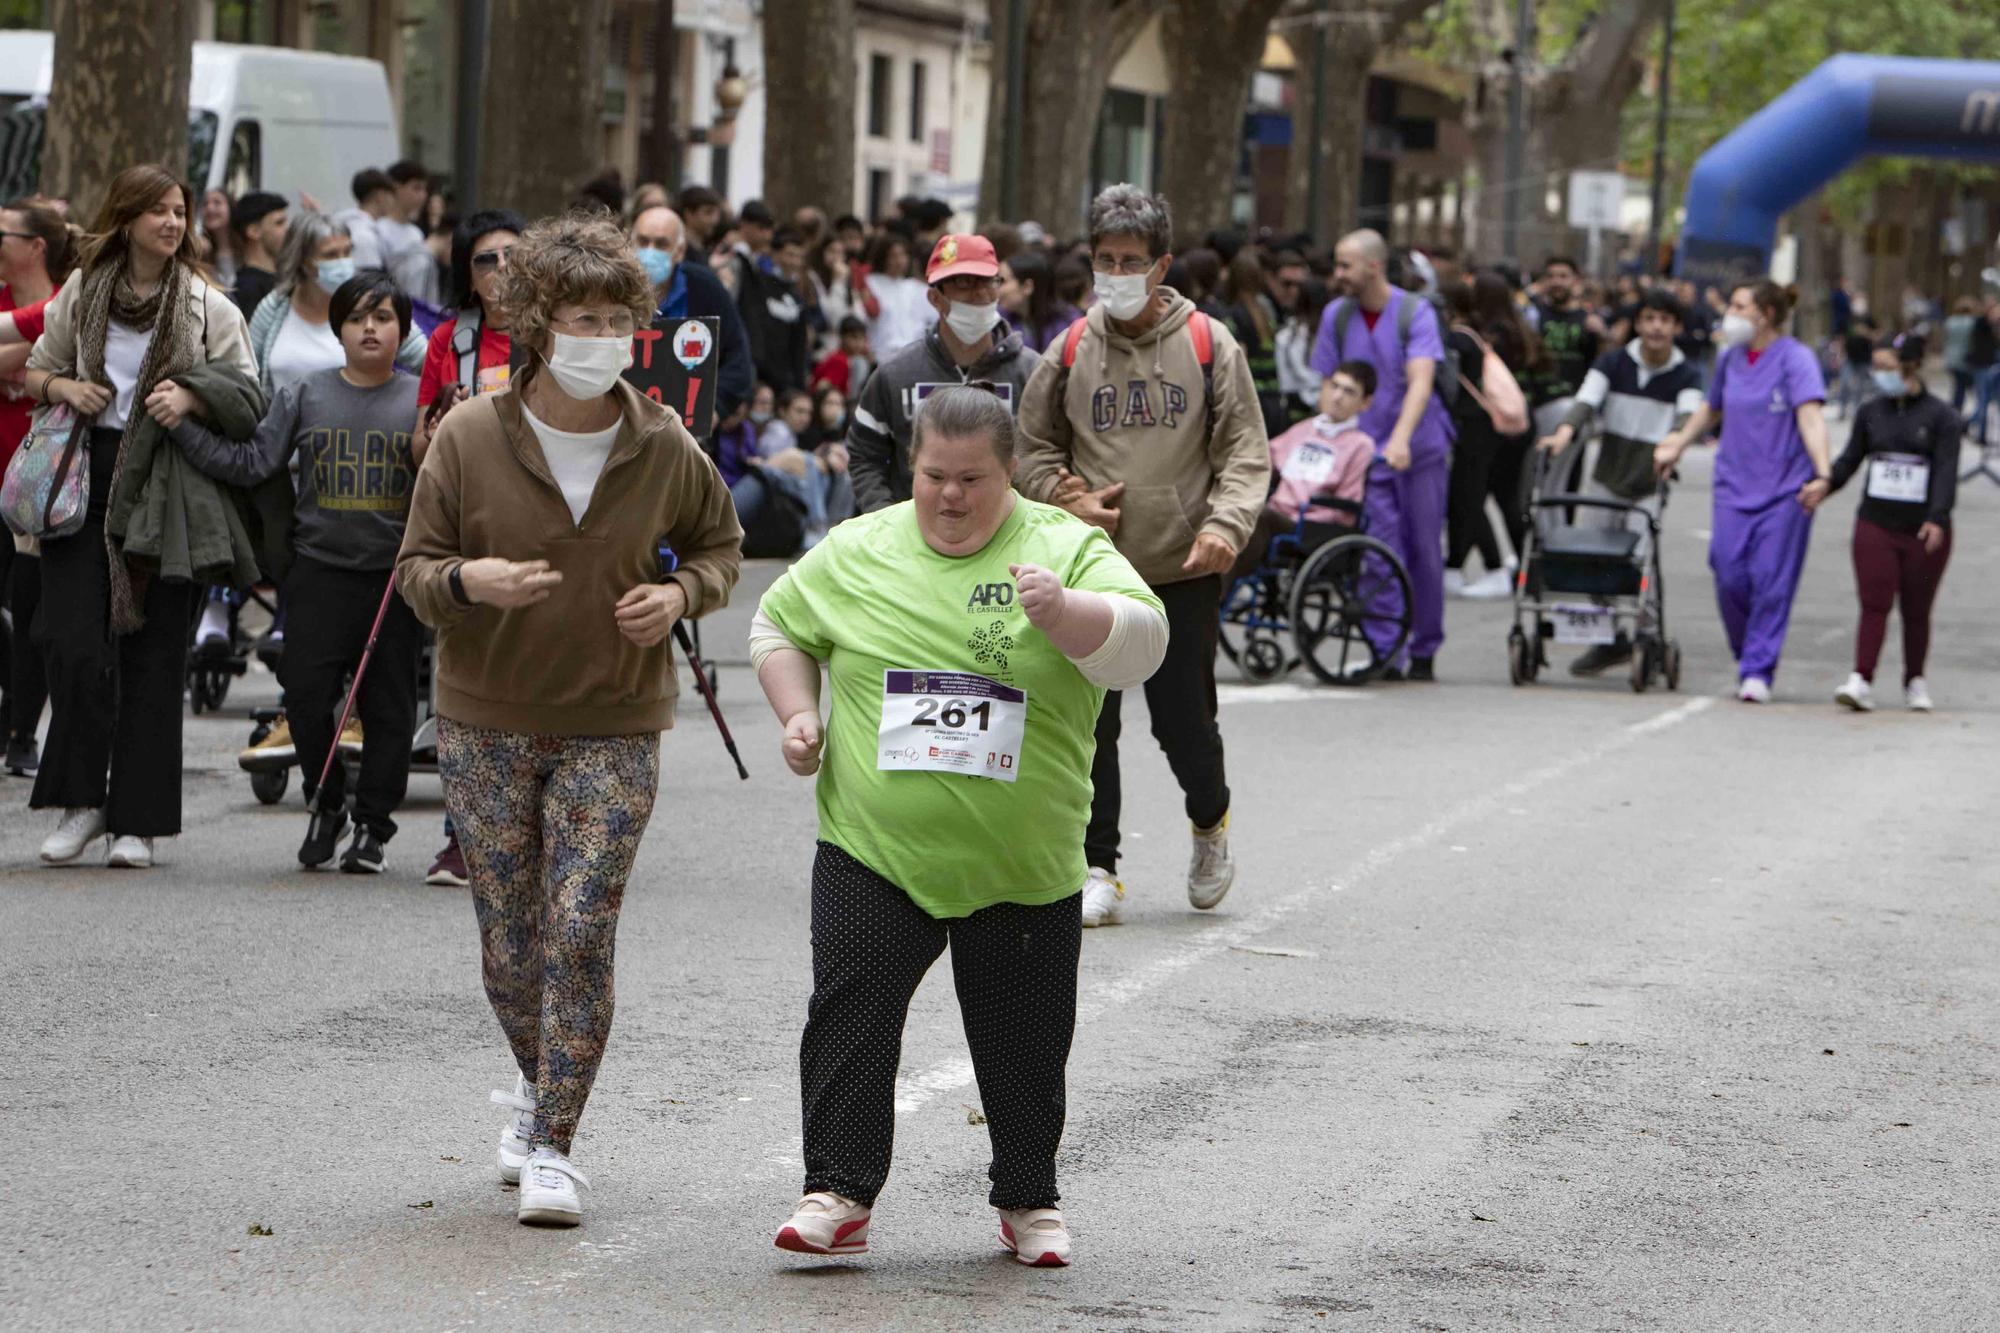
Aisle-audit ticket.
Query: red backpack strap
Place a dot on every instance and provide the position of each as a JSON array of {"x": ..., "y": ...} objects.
[
  {"x": 1072, "y": 339},
  {"x": 1204, "y": 339}
]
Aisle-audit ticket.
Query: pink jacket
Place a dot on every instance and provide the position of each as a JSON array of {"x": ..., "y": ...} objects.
[{"x": 1313, "y": 459}]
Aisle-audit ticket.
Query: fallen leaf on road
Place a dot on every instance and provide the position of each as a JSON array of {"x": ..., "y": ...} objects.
[
  {"x": 447, "y": 1159},
  {"x": 427, "y": 1203},
  {"x": 1481, "y": 1217},
  {"x": 1272, "y": 952},
  {"x": 973, "y": 1115},
  {"x": 1900, "y": 1124},
  {"x": 1827, "y": 1051},
  {"x": 259, "y": 1229}
]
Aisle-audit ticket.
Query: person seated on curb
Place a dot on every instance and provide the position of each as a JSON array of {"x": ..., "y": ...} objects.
[
  {"x": 1643, "y": 392},
  {"x": 1326, "y": 456},
  {"x": 350, "y": 428}
]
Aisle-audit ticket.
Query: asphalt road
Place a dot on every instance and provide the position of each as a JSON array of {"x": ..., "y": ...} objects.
[{"x": 1546, "y": 1007}]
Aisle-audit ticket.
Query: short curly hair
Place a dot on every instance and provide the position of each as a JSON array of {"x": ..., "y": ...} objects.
[{"x": 574, "y": 259}]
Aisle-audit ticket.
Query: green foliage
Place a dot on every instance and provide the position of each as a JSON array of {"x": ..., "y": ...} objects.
[
  {"x": 1731, "y": 57},
  {"x": 22, "y": 14}
]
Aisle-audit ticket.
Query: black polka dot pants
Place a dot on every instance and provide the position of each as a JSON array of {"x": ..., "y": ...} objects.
[{"x": 1015, "y": 970}]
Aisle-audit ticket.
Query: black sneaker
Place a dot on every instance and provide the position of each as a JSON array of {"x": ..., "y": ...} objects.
[
  {"x": 1420, "y": 669},
  {"x": 1393, "y": 673},
  {"x": 322, "y": 837},
  {"x": 1601, "y": 658},
  {"x": 365, "y": 854},
  {"x": 23, "y": 758}
]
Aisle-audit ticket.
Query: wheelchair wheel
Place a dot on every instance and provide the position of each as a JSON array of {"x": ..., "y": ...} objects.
[
  {"x": 1350, "y": 610},
  {"x": 1645, "y": 661},
  {"x": 1263, "y": 659},
  {"x": 269, "y": 788},
  {"x": 1238, "y": 605},
  {"x": 207, "y": 688}
]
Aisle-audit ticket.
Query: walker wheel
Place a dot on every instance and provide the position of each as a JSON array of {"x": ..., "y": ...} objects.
[{"x": 269, "y": 788}]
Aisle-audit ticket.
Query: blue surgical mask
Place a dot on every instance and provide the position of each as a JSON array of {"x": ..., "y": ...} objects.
[
  {"x": 760, "y": 418},
  {"x": 1890, "y": 382},
  {"x": 659, "y": 265},
  {"x": 331, "y": 273}
]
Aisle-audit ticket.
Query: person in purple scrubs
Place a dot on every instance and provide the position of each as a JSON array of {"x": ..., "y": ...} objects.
[
  {"x": 1408, "y": 483},
  {"x": 1770, "y": 397}
]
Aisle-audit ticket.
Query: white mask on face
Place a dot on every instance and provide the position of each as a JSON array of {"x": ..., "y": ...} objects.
[
  {"x": 586, "y": 368},
  {"x": 1737, "y": 330},
  {"x": 1123, "y": 295},
  {"x": 969, "y": 323}
]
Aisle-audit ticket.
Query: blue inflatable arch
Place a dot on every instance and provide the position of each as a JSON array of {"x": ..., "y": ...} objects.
[{"x": 1850, "y": 106}]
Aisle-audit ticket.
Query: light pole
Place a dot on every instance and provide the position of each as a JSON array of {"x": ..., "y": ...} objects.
[
  {"x": 1517, "y": 131},
  {"x": 1660, "y": 140}
]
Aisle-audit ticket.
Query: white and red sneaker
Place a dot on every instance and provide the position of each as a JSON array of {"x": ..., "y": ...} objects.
[
  {"x": 1035, "y": 1236},
  {"x": 826, "y": 1224}
]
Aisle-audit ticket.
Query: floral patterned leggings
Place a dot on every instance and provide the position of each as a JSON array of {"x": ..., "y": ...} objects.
[{"x": 550, "y": 826}]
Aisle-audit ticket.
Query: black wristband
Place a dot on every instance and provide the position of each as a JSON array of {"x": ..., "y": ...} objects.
[{"x": 458, "y": 585}]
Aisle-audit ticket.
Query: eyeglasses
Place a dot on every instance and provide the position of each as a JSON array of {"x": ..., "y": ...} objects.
[
  {"x": 1127, "y": 267},
  {"x": 491, "y": 258},
  {"x": 588, "y": 325}
]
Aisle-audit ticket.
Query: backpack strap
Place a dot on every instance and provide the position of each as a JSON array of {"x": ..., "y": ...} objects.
[
  {"x": 1343, "y": 316},
  {"x": 1406, "y": 315},
  {"x": 1203, "y": 336},
  {"x": 1072, "y": 339}
]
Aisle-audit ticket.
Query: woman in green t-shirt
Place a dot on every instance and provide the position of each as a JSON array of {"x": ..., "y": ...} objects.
[{"x": 969, "y": 635}]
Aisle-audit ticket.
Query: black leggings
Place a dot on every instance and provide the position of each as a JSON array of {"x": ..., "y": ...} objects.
[
  {"x": 1015, "y": 970},
  {"x": 25, "y": 686}
]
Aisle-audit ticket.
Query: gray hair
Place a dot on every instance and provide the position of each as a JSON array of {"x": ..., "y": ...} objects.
[
  {"x": 1127, "y": 210},
  {"x": 309, "y": 230},
  {"x": 965, "y": 411}
]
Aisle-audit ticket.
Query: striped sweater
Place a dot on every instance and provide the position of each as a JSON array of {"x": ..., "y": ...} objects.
[{"x": 1638, "y": 405}]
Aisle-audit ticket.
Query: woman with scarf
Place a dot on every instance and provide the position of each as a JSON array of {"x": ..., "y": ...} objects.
[{"x": 140, "y": 313}]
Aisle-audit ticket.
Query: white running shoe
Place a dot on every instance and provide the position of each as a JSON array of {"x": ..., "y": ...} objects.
[
  {"x": 1754, "y": 690},
  {"x": 79, "y": 828},
  {"x": 548, "y": 1191},
  {"x": 1212, "y": 869},
  {"x": 1035, "y": 1236},
  {"x": 517, "y": 1134},
  {"x": 826, "y": 1224},
  {"x": 1490, "y": 586},
  {"x": 1454, "y": 583},
  {"x": 130, "y": 853},
  {"x": 1103, "y": 898},
  {"x": 1917, "y": 696},
  {"x": 1855, "y": 694}
]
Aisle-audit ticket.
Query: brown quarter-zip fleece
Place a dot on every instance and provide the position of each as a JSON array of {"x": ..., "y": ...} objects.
[{"x": 560, "y": 667}]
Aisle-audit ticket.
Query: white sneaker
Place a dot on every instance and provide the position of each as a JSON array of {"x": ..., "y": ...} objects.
[
  {"x": 1917, "y": 696},
  {"x": 1754, "y": 690},
  {"x": 1035, "y": 1236},
  {"x": 1855, "y": 694},
  {"x": 826, "y": 1224},
  {"x": 130, "y": 853},
  {"x": 1490, "y": 586},
  {"x": 78, "y": 829},
  {"x": 1103, "y": 898},
  {"x": 548, "y": 1191},
  {"x": 1212, "y": 869},
  {"x": 1454, "y": 582},
  {"x": 517, "y": 1134}
]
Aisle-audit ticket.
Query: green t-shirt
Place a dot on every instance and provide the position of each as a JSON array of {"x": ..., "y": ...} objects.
[{"x": 874, "y": 598}]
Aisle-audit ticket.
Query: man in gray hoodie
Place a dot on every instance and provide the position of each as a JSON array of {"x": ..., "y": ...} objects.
[
  {"x": 1144, "y": 420},
  {"x": 969, "y": 342}
]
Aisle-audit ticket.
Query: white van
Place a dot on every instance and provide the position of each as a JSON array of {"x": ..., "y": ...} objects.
[{"x": 259, "y": 118}]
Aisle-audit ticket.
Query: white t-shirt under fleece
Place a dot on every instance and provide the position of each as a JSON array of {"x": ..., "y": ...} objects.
[{"x": 576, "y": 461}]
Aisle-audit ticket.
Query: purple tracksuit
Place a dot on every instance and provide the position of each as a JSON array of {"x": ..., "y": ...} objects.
[
  {"x": 1758, "y": 546},
  {"x": 1405, "y": 509}
]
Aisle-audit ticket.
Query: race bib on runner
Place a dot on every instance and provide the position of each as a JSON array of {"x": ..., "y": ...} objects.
[
  {"x": 1901, "y": 477},
  {"x": 951, "y": 722},
  {"x": 1310, "y": 464}
]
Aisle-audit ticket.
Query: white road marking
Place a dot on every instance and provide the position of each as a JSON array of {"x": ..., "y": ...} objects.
[
  {"x": 1284, "y": 692},
  {"x": 1101, "y": 997}
]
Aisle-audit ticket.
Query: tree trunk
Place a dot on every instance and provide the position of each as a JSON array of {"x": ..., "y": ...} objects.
[
  {"x": 544, "y": 123},
  {"x": 119, "y": 96},
  {"x": 1336, "y": 140},
  {"x": 1071, "y": 48},
  {"x": 1213, "y": 47},
  {"x": 809, "y": 105}
]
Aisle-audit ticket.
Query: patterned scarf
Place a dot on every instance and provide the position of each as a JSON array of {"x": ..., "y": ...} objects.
[{"x": 175, "y": 347}]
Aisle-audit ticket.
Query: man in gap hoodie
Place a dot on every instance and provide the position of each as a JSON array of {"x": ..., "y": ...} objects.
[{"x": 1143, "y": 419}]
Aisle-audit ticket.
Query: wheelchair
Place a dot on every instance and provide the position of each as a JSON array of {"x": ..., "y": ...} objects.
[
  {"x": 1339, "y": 596},
  {"x": 210, "y": 673}
]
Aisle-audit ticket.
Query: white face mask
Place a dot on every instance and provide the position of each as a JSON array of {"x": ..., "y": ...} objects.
[
  {"x": 1737, "y": 330},
  {"x": 1890, "y": 382},
  {"x": 969, "y": 323},
  {"x": 1123, "y": 295},
  {"x": 586, "y": 368}
]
